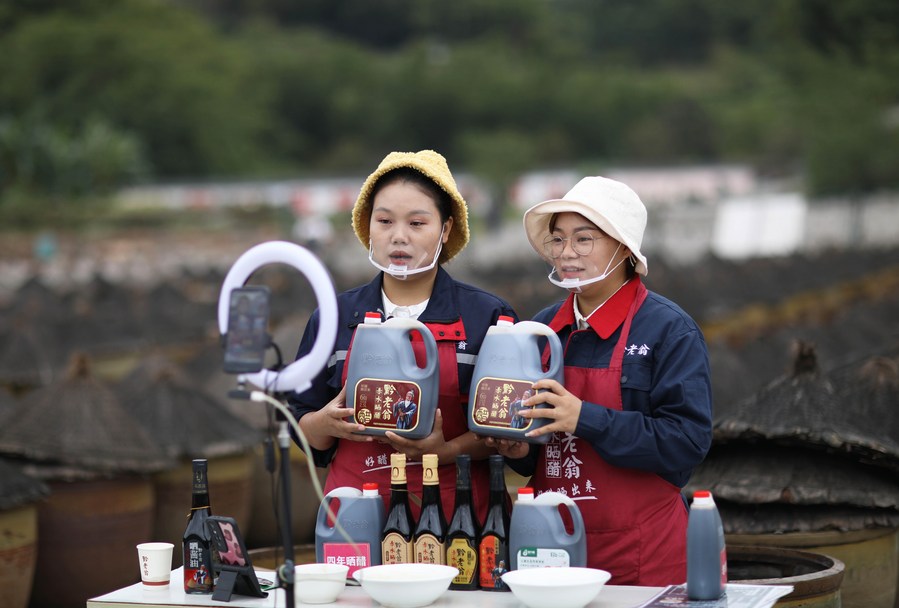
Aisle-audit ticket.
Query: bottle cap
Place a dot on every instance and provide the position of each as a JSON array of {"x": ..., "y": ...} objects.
[
  {"x": 370, "y": 489},
  {"x": 397, "y": 467},
  {"x": 429, "y": 469},
  {"x": 373, "y": 318},
  {"x": 526, "y": 493},
  {"x": 505, "y": 321},
  {"x": 703, "y": 497}
]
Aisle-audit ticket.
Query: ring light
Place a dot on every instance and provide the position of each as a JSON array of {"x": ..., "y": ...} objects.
[{"x": 298, "y": 375}]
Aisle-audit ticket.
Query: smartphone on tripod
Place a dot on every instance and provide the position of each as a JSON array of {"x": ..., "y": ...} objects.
[{"x": 247, "y": 338}]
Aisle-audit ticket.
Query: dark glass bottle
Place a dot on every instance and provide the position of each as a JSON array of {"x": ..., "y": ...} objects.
[
  {"x": 462, "y": 533},
  {"x": 493, "y": 548},
  {"x": 430, "y": 534},
  {"x": 196, "y": 544},
  {"x": 396, "y": 538}
]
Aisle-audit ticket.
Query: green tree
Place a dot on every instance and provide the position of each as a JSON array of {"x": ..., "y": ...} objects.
[{"x": 148, "y": 68}]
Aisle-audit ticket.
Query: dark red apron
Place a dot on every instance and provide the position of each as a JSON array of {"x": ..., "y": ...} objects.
[
  {"x": 355, "y": 463},
  {"x": 636, "y": 522}
]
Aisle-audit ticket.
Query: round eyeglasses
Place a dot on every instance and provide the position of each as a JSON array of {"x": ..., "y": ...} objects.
[{"x": 581, "y": 243}]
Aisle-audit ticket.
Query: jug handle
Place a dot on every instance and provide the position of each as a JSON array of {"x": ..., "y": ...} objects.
[
  {"x": 577, "y": 520},
  {"x": 555, "y": 346},
  {"x": 411, "y": 325},
  {"x": 576, "y": 516}
]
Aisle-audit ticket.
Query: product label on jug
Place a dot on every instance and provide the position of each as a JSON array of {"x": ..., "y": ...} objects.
[
  {"x": 387, "y": 404},
  {"x": 461, "y": 554},
  {"x": 428, "y": 550},
  {"x": 536, "y": 557},
  {"x": 396, "y": 550},
  {"x": 355, "y": 556},
  {"x": 493, "y": 564},
  {"x": 498, "y": 402}
]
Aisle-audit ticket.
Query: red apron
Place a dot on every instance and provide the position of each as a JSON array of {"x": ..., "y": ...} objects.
[
  {"x": 636, "y": 522},
  {"x": 355, "y": 463}
]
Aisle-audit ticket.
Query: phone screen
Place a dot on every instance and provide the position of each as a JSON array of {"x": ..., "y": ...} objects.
[
  {"x": 231, "y": 560},
  {"x": 231, "y": 554},
  {"x": 247, "y": 337}
]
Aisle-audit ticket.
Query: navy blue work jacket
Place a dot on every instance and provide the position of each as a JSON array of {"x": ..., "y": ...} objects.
[
  {"x": 665, "y": 425},
  {"x": 450, "y": 301}
]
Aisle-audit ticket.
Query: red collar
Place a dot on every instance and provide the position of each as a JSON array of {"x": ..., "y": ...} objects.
[{"x": 608, "y": 318}]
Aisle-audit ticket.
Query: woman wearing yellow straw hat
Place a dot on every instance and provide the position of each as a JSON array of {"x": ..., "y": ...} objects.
[
  {"x": 412, "y": 219},
  {"x": 634, "y": 417}
]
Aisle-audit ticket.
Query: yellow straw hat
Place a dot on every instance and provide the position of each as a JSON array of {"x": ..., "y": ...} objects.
[{"x": 434, "y": 166}]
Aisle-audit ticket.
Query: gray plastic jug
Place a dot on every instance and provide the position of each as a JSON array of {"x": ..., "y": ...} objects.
[
  {"x": 509, "y": 362},
  {"x": 361, "y": 515},
  {"x": 537, "y": 534},
  {"x": 385, "y": 387},
  {"x": 706, "y": 551}
]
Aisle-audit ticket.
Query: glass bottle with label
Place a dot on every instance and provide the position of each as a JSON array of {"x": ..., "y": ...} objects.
[
  {"x": 430, "y": 534},
  {"x": 493, "y": 548},
  {"x": 196, "y": 544},
  {"x": 396, "y": 538},
  {"x": 462, "y": 533}
]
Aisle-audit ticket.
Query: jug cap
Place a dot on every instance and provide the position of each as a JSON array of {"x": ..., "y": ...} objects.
[
  {"x": 526, "y": 493},
  {"x": 373, "y": 318},
  {"x": 505, "y": 320},
  {"x": 370, "y": 489},
  {"x": 703, "y": 497}
]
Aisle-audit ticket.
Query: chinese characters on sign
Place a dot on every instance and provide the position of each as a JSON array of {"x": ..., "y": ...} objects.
[
  {"x": 387, "y": 404},
  {"x": 498, "y": 402},
  {"x": 562, "y": 463}
]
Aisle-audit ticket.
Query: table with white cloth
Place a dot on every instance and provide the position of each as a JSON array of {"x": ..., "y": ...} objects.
[{"x": 611, "y": 596}]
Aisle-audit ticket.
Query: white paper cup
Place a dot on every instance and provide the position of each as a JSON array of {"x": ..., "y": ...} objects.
[{"x": 155, "y": 564}]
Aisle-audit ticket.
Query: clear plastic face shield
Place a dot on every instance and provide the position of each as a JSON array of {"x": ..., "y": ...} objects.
[
  {"x": 401, "y": 264},
  {"x": 573, "y": 268}
]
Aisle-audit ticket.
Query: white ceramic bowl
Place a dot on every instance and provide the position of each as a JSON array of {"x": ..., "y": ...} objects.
[
  {"x": 406, "y": 585},
  {"x": 556, "y": 587},
  {"x": 319, "y": 583}
]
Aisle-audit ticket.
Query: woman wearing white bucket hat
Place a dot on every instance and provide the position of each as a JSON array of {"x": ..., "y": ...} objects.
[{"x": 634, "y": 417}]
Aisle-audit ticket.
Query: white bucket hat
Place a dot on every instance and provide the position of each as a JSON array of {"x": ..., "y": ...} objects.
[{"x": 611, "y": 205}]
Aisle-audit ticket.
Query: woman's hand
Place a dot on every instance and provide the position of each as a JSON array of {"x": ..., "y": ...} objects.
[
  {"x": 329, "y": 423},
  {"x": 564, "y": 413},
  {"x": 414, "y": 449},
  {"x": 508, "y": 447}
]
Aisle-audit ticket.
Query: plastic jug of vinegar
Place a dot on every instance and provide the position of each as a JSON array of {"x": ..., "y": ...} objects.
[
  {"x": 706, "y": 551},
  {"x": 361, "y": 515},
  {"x": 540, "y": 536},
  {"x": 386, "y": 388},
  {"x": 509, "y": 362}
]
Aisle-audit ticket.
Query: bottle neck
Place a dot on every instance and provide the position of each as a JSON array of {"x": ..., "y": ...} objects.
[
  {"x": 463, "y": 480},
  {"x": 199, "y": 500},
  {"x": 430, "y": 494},
  {"x": 200, "y": 489},
  {"x": 399, "y": 493},
  {"x": 497, "y": 482},
  {"x": 463, "y": 496}
]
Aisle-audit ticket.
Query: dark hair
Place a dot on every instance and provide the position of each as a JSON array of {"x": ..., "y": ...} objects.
[{"x": 417, "y": 178}]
